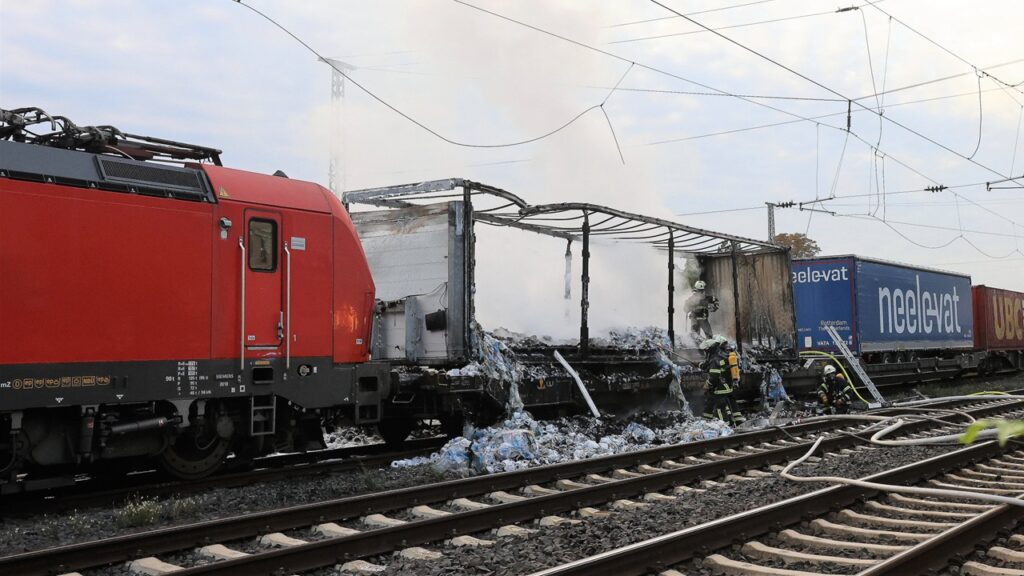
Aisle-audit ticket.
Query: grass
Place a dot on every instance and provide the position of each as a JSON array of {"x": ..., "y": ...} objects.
[
  {"x": 137, "y": 512},
  {"x": 181, "y": 508}
]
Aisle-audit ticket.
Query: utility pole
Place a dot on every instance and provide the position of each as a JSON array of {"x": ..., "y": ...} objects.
[
  {"x": 771, "y": 216},
  {"x": 336, "y": 168}
]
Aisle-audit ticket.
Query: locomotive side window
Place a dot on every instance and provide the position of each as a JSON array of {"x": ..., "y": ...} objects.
[{"x": 262, "y": 245}]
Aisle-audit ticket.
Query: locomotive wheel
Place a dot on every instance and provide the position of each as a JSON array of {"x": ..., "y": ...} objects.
[{"x": 193, "y": 456}]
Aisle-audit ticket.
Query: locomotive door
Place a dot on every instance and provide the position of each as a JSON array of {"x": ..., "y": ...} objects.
[{"x": 264, "y": 315}]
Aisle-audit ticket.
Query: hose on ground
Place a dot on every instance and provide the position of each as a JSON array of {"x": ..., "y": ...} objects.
[{"x": 935, "y": 492}]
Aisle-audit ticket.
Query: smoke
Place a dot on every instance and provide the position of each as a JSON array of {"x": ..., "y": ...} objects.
[
  {"x": 519, "y": 285},
  {"x": 532, "y": 84}
]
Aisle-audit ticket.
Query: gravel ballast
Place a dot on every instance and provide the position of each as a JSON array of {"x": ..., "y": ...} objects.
[
  {"x": 557, "y": 545},
  {"x": 33, "y": 533}
]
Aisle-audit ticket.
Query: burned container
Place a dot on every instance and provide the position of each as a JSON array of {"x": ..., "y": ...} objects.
[
  {"x": 760, "y": 313},
  {"x": 881, "y": 307},
  {"x": 418, "y": 258}
]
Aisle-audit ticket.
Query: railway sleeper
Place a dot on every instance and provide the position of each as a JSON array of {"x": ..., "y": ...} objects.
[
  {"x": 878, "y": 506},
  {"x": 1006, "y": 554},
  {"x": 948, "y": 486},
  {"x": 360, "y": 567},
  {"x": 152, "y": 566},
  {"x": 825, "y": 527},
  {"x": 870, "y": 521},
  {"x": 722, "y": 565},
  {"x": 756, "y": 549},
  {"x": 931, "y": 504},
  {"x": 973, "y": 568},
  {"x": 800, "y": 539}
]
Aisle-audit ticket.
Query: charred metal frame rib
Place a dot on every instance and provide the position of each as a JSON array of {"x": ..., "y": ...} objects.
[
  {"x": 736, "y": 298},
  {"x": 671, "y": 289},
  {"x": 388, "y": 197},
  {"x": 585, "y": 289}
]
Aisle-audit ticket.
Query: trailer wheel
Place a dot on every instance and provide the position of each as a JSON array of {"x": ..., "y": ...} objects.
[{"x": 394, "y": 431}]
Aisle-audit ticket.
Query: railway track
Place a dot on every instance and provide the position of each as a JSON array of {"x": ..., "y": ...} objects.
[
  {"x": 856, "y": 530},
  {"x": 348, "y": 530},
  {"x": 86, "y": 492}
]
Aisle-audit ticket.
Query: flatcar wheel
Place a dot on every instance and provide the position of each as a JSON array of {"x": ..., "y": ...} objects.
[{"x": 191, "y": 456}]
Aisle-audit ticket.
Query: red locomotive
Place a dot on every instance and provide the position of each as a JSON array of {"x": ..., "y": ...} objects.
[{"x": 177, "y": 311}]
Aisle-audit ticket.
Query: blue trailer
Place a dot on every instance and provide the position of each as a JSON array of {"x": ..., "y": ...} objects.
[{"x": 880, "y": 306}]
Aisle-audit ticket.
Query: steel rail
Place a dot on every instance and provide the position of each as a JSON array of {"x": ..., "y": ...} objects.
[
  {"x": 265, "y": 469},
  {"x": 957, "y": 542},
  {"x": 327, "y": 552},
  {"x": 657, "y": 554},
  {"x": 128, "y": 547}
]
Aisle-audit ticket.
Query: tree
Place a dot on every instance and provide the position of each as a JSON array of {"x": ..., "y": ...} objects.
[{"x": 800, "y": 245}]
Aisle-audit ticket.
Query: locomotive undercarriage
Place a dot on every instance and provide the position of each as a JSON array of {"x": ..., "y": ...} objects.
[{"x": 45, "y": 444}]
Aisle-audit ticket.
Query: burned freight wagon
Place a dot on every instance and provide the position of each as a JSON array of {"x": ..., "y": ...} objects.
[
  {"x": 422, "y": 249},
  {"x": 906, "y": 323}
]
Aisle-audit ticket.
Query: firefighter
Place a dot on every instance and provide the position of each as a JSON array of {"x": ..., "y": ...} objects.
[
  {"x": 835, "y": 392},
  {"x": 700, "y": 305},
  {"x": 723, "y": 376}
]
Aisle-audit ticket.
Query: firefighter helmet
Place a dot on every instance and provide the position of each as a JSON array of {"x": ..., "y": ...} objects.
[
  {"x": 699, "y": 285},
  {"x": 829, "y": 370}
]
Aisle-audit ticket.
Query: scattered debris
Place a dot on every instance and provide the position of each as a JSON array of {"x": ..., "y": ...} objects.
[
  {"x": 521, "y": 442},
  {"x": 348, "y": 437}
]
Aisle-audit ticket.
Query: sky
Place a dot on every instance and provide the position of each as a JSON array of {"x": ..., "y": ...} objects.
[{"x": 214, "y": 73}]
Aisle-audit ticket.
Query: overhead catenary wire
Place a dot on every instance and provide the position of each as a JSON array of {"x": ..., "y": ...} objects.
[
  {"x": 827, "y": 88},
  {"x": 880, "y": 114},
  {"x": 731, "y": 26},
  {"x": 1016, "y": 140},
  {"x": 624, "y": 59},
  {"x": 719, "y": 9},
  {"x": 884, "y": 92},
  {"x": 871, "y": 64},
  {"x": 874, "y": 4},
  {"x": 497, "y": 145},
  {"x": 406, "y": 116},
  {"x": 981, "y": 116},
  {"x": 660, "y": 71},
  {"x": 798, "y": 120}
]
